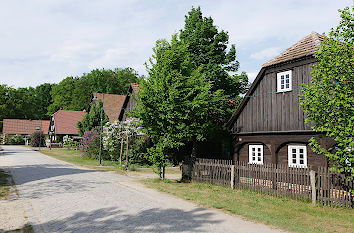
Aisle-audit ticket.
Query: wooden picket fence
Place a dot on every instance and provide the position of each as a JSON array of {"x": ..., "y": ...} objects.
[{"x": 323, "y": 186}]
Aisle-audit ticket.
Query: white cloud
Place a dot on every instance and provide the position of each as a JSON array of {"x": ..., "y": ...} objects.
[{"x": 266, "y": 53}]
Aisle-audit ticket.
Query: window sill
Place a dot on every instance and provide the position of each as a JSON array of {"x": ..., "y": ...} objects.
[{"x": 284, "y": 91}]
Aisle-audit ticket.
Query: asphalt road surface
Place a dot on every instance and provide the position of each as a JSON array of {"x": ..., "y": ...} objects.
[{"x": 60, "y": 197}]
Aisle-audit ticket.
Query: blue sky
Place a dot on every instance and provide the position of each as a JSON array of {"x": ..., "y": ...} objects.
[{"x": 48, "y": 40}]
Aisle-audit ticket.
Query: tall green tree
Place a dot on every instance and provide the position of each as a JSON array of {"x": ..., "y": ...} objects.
[
  {"x": 180, "y": 99},
  {"x": 329, "y": 101},
  {"x": 62, "y": 95},
  {"x": 92, "y": 118},
  {"x": 41, "y": 100}
]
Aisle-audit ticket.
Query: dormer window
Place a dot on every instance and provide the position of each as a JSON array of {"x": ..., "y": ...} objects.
[{"x": 284, "y": 82}]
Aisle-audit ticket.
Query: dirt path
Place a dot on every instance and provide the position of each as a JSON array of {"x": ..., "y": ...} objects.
[{"x": 60, "y": 197}]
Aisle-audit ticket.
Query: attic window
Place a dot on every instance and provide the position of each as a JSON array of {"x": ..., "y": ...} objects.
[
  {"x": 284, "y": 82},
  {"x": 38, "y": 127}
]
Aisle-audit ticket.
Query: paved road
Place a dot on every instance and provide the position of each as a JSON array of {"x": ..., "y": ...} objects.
[{"x": 60, "y": 197}]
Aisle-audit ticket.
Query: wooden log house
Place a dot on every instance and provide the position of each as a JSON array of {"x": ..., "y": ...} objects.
[
  {"x": 129, "y": 101},
  {"x": 269, "y": 125}
]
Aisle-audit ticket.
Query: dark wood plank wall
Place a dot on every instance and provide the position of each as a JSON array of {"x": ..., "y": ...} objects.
[
  {"x": 313, "y": 159},
  {"x": 270, "y": 111},
  {"x": 244, "y": 154},
  {"x": 130, "y": 105}
]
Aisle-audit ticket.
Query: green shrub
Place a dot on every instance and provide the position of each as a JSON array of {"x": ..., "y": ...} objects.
[{"x": 14, "y": 139}]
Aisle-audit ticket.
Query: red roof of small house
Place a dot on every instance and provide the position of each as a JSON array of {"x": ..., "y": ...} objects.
[
  {"x": 112, "y": 104},
  {"x": 65, "y": 121},
  {"x": 22, "y": 126}
]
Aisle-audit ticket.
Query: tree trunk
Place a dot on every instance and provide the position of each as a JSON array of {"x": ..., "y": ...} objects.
[
  {"x": 187, "y": 164},
  {"x": 126, "y": 157},
  {"x": 121, "y": 151}
]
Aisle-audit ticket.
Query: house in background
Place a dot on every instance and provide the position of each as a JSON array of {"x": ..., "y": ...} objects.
[
  {"x": 63, "y": 122},
  {"x": 129, "y": 101},
  {"x": 112, "y": 104},
  {"x": 269, "y": 126},
  {"x": 25, "y": 127}
]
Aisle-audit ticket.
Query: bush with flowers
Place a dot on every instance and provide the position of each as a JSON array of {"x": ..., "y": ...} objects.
[
  {"x": 113, "y": 133},
  {"x": 90, "y": 144}
]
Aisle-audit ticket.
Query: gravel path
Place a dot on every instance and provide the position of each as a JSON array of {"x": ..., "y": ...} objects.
[{"x": 60, "y": 197}]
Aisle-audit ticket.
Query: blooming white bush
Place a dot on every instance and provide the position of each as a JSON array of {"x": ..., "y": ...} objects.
[
  {"x": 113, "y": 133},
  {"x": 67, "y": 141}
]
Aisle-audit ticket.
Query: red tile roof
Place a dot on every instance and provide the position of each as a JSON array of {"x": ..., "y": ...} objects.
[
  {"x": 65, "y": 121},
  {"x": 112, "y": 104},
  {"x": 304, "y": 47},
  {"x": 21, "y": 126}
]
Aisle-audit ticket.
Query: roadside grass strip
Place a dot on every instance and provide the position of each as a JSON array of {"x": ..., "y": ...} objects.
[
  {"x": 5, "y": 184},
  {"x": 74, "y": 157},
  {"x": 25, "y": 229},
  {"x": 286, "y": 214}
]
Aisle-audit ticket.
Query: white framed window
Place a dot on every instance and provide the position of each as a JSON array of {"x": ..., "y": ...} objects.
[
  {"x": 255, "y": 153},
  {"x": 284, "y": 81},
  {"x": 297, "y": 156}
]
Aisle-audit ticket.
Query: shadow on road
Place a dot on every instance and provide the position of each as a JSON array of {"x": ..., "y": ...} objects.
[
  {"x": 149, "y": 220},
  {"x": 60, "y": 186},
  {"x": 43, "y": 171}
]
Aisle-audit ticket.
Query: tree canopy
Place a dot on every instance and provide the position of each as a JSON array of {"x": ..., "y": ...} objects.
[
  {"x": 329, "y": 101},
  {"x": 25, "y": 103},
  {"x": 184, "y": 96}
]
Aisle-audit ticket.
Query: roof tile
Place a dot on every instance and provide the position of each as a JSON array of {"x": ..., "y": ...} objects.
[
  {"x": 304, "y": 47},
  {"x": 65, "y": 121},
  {"x": 112, "y": 105},
  {"x": 22, "y": 126}
]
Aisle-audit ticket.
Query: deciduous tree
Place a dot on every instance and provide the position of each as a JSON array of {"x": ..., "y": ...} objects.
[
  {"x": 183, "y": 97},
  {"x": 329, "y": 100}
]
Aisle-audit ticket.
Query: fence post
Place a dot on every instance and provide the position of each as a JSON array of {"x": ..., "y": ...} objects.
[
  {"x": 232, "y": 176},
  {"x": 313, "y": 186}
]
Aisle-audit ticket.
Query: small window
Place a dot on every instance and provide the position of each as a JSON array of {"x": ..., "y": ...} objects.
[
  {"x": 297, "y": 156},
  {"x": 255, "y": 153},
  {"x": 284, "y": 82},
  {"x": 38, "y": 127}
]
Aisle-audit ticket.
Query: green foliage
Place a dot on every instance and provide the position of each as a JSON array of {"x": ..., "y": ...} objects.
[
  {"x": 76, "y": 93},
  {"x": 329, "y": 101},
  {"x": 93, "y": 118},
  {"x": 37, "y": 138},
  {"x": 139, "y": 150},
  {"x": 25, "y": 103},
  {"x": 158, "y": 157},
  {"x": 178, "y": 100},
  {"x": 14, "y": 139}
]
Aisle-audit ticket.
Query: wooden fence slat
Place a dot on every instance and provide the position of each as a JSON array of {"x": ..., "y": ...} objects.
[{"x": 330, "y": 189}]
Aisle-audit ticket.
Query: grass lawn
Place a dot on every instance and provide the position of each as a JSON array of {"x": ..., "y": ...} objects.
[
  {"x": 289, "y": 215},
  {"x": 74, "y": 157},
  {"x": 5, "y": 184}
]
